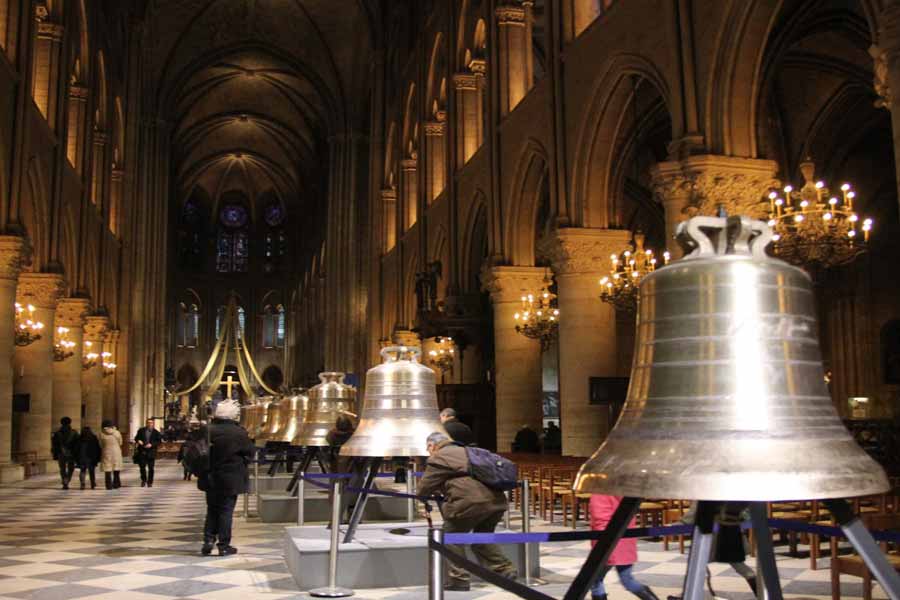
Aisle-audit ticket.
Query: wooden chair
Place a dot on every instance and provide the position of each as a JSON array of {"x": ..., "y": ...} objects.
[
  {"x": 672, "y": 515},
  {"x": 854, "y": 565}
]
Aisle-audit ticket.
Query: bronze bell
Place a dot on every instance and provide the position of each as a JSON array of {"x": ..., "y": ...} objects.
[
  {"x": 328, "y": 400},
  {"x": 727, "y": 399},
  {"x": 259, "y": 409},
  {"x": 272, "y": 422},
  {"x": 291, "y": 417},
  {"x": 400, "y": 408}
]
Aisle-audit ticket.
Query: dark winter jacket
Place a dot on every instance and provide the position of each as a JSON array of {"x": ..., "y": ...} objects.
[
  {"x": 337, "y": 438},
  {"x": 230, "y": 451},
  {"x": 459, "y": 431},
  {"x": 447, "y": 475},
  {"x": 155, "y": 440},
  {"x": 64, "y": 443},
  {"x": 88, "y": 449}
]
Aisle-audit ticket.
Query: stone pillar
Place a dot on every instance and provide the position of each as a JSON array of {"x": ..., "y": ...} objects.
[
  {"x": 389, "y": 214},
  {"x": 116, "y": 184},
  {"x": 99, "y": 168},
  {"x": 701, "y": 184},
  {"x": 435, "y": 140},
  {"x": 47, "y": 54},
  {"x": 92, "y": 379},
  {"x": 33, "y": 365},
  {"x": 409, "y": 181},
  {"x": 513, "y": 51},
  {"x": 517, "y": 359},
  {"x": 12, "y": 249},
  {"x": 887, "y": 72},
  {"x": 587, "y": 330},
  {"x": 78, "y": 95},
  {"x": 111, "y": 345},
  {"x": 70, "y": 313},
  {"x": 467, "y": 117}
]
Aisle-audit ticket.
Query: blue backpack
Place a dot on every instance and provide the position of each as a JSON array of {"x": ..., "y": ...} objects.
[{"x": 491, "y": 469}]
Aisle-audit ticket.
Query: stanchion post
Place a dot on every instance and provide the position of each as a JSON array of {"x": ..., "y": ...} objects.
[
  {"x": 410, "y": 489},
  {"x": 332, "y": 590},
  {"x": 246, "y": 504},
  {"x": 526, "y": 527},
  {"x": 435, "y": 566},
  {"x": 506, "y": 515},
  {"x": 301, "y": 499},
  {"x": 256, "y": 481}
]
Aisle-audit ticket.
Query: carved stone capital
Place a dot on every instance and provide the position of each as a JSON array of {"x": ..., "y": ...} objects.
[
  {"x": 508, "y": 284},
  {"x": 510, "y": 15},
  {"x": 78, "y": 92},
  {"x": 465, "y": 81},
  {"x": 582, "y": 251},
  {"x": 100, "y": 138},
  {"x": 409, "y": 164},
  {"x": 95, "y": 328},
  {"x": 405, "y": 337},
  {"x": 43, "y": 290},
  {"x": 389, "y": 194},
  {"x": 117, "y": 175},
  {"x": 478, "y": 66},
  {"x": 50, "y": 31},
  {"x": 435, "y": 128},
  {"x": 111, "y": 340},
  {"x": 13, "y": 254},
  {"x": 70, "y": 312},
  {"x": 880, "y": 84}
]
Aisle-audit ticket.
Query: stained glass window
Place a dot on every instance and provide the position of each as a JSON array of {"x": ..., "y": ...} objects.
[
  {"x": 233, "y": 247},
  {"x": 274, "y": 215},
  {"x": 273, "y": 326},
  {"x": 220, "y": 318},
  {"x": 188, "y": 325},
  {"x": 233, "y": 215}
]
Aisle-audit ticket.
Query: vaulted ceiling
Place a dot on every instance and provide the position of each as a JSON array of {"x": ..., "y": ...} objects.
[{"x": 253, "y": 89}]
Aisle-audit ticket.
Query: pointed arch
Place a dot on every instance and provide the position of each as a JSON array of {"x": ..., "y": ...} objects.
[
  {"x": 101, "y": 114},
  {"x": 475, "y": 243},
  {"x": 34, "y": 213},
  {"x": 524, "y": 204}
]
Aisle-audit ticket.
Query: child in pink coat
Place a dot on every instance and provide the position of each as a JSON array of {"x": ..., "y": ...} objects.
[{"x": 623, "y": 556}]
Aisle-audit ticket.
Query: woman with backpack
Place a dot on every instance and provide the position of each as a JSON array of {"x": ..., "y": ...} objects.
[{"x": 111, "y": 454}]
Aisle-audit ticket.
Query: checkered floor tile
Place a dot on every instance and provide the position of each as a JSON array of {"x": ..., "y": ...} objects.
[{"x": 143, "y": 544}]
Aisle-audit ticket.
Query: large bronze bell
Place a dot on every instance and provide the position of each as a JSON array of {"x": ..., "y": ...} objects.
[
  {"x": 400, "y": 407},
  {"x": 260, "y": 410},
  {"x": 727, "y": 399},
  {"x": 291, "y": 417},
  {"x": 273, "y": 421},
  {"x": 328, "y": 400}
]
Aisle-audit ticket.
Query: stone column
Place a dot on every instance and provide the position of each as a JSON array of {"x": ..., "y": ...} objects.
[
  {"x": 701, "y": 184},
  {"x": 886, "y": 57},
  {"x": 70, "y": 313},
  {"x": 467, "y": 142},
  {"x": 587, "y": 330},
  {"x": 435, "y": 141},
  {"x": 12, "y": 249},
  {"x": 517, "y": 359},
  {"x": 33, "y": 365},
  {"x": 116, "y": 185},
  {"x": 111, "y": 345},
  {"x": 410, "y": 197},
  {"x": 92, "y": 379},
  {"x": 98, "y": 163},
  {"x": 389, "y": 213},
  {"x": 78, "y": 95},
  {"x": 513, "y": 51},
  {"x": 47, "y": 51}
]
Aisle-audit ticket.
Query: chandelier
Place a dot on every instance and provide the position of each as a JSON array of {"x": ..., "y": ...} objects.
[
  {"x": 109, "y": 367},
  {"x": 620, "y": 287},
  {"x": 90, "y": 357},
  {"x": 442, "y": 356},
  {"x": 538, "y": 317},
  {"x": 62, "y": 349},
  {"x": 814, "y": 229},
  {"x": 28, "y": 330}
]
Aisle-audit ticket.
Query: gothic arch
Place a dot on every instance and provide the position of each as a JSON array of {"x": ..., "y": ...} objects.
[
  {"x": 34, "y": 214},
  {"x": 595, "y": 160},
  {"x": 524, "y": 204},
  {"x": 408, "y": 293},
  {"x": 436, "y": 76},
  {"x": 475, "y": 237},
  {"x": 101, "y": 115}
]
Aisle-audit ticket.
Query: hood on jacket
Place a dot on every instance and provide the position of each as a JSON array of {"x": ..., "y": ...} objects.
[{"x": 109, "y": 430}]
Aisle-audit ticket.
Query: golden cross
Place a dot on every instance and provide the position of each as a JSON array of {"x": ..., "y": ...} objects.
[{"x": 229, "y": 383}]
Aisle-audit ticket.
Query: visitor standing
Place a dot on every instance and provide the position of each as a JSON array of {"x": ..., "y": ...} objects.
[
  {"x": 459, "y": 431},
  {"x": 88, "y": 456},
  {"x": 468, "y": 506},
  {"x": 146, "y": 441},
  {"x": 192, "y": 436},
  {"x": 111, "y": 454},
  {"x": 336, "y": 437},
  {"x": 230, "y": 449},
  {"x": 623, "y": 556},
  {"x": 526, "y": 440},
  {"x": 64, "y": 446}
]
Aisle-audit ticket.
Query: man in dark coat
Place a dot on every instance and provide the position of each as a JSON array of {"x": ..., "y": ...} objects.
[
  {"x": 230, "y": 450},
  {"x": 64, "y": 446},
  {"x": 526, "y": 440},
  {"x": 147, "y": 440},
  {"x": 468, "y": 506},
  {"x": 88, "y": 456},
  {"x": 458, "y": 430}
]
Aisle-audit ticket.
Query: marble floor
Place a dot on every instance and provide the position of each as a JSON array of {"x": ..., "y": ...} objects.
[{"x": 143, "y": 544}]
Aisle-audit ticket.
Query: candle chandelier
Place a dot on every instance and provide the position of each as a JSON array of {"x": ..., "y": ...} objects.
[
  {"x": 442, "y": 356},
  {"x": 109, "y": 367},
  {"x": 620, "y": 287},
  {"x": 538, "y": 318},
  {"x": 62, "y": 349},
  {"x": 90, "y": 357},
  {"x": 814, "y": 228},
  {"x": 28, "y": 329}
]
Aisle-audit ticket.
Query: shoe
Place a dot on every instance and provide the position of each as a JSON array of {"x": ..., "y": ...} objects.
[
  {"x": 82, "y": 486},
  {"x": 600, "y": 597},
  {"x": 457, "y": 586},
  {"x": 65, "y": 486},
  {"x": 143, "y": 484},
  {"x": 646, "y": 594},
  {"x": 206, "y": 550},
  {"x": 227, "y": 550},
  {"x": 149, "y": 485},
  {"x": 673, "y": 597}
]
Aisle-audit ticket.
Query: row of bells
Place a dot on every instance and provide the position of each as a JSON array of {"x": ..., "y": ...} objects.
[{"x": 727, "y": 398}]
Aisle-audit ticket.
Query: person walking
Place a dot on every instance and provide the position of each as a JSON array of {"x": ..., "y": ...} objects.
[
  {"x": 459, "y": 431},
  {"x": 192, "y": 436},
  {"x": 146, "y": 441},
  {"x": 110, "y": 454},
  {"x": 468, "y": 506},
  {"x": 88, "y": 456},
  {"x": 230, "y": 449},
  {"x": 623, "y": 556},
  {"x": 64, "y": 447}
]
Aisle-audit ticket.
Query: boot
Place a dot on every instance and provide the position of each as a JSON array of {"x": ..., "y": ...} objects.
[
  {"x": 600, "y": 597},
  {"x": 116, "y": 481},
  {"x": 107, "y": 476},
  {"x": 207, "y": 548},
  {"x": 227, "y": 550},
  {"x": 646, "y": 594}
]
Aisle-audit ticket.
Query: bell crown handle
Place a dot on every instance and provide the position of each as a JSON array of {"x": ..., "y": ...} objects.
[
  {"x": 702, "y": 237},
  {"x": 329, "y": 376},
  {"x": 399, "y": 352}
]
